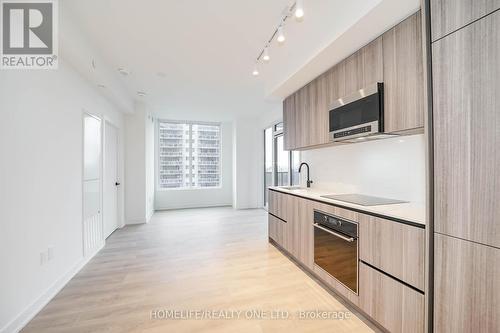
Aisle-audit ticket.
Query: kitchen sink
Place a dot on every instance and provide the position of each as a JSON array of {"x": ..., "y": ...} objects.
[{"x": 292, "y": 188}]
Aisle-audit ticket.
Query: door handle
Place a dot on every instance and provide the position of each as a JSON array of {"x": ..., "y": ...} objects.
[
  {"x": 348, "y": 239},
  {"x": 117, "y": 184}
]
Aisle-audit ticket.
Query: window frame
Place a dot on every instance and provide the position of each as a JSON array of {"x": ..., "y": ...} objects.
[
  {"x": 274, "y": 137},
  {"x": 158, "y": 187}
]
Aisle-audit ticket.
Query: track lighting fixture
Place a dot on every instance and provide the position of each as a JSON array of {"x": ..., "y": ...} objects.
[
  {"x": 281, "y": 35},
  {"x": 255, "y": 71},
  {"x": 265, "y": 55},
  {"x": 299, "y": 9}
]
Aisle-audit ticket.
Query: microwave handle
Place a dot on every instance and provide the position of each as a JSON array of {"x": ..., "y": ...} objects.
[{"x": 348, "y": 239}]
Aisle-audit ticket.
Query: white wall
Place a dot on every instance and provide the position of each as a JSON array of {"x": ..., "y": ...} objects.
[
  {"x": 392, "y": 168},
  {"x": 139, "y": 195},
  {"x": 41, "y": 183},
  {"x": 171, "y": 199},
  {"x": 248, "y": 164}
]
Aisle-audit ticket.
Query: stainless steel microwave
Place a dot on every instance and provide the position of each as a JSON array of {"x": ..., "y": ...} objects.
[{"x": 358, "y": 115}]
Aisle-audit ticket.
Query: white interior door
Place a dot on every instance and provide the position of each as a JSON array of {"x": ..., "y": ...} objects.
[
  {"x": 111, "y": 181},
  {"x": 92, "y": 221}
]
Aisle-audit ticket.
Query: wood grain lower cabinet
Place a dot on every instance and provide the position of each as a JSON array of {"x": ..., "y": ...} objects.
[
  {"x": 278, "y": 204},
  {"x": 392, "y": 304},
  {"x": 466, "y": 286},
  {"x": 279, "y": 232},
  {"x": 395, "y": 248},
  {"x": 466, "y": 81},
  {"x": 404, "y": 76},
  {"x": 450, "y": 15},
  {"x": 304, "y": 232}
]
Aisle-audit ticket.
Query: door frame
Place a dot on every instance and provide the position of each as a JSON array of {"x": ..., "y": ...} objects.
[
  {"x": 119, "y": 172},
  {"x": 86, "y": 113}
]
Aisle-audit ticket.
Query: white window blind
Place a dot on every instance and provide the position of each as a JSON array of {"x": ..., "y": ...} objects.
[{"x": 188, "y": 155}]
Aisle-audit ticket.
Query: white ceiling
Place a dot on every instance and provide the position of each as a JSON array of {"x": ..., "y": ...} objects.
[{"x": 206, "y": 49}]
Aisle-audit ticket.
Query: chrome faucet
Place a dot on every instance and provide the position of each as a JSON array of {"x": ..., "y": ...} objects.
[{"x": 308, "y": 180}]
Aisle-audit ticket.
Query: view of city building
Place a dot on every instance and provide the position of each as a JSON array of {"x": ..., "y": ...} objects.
[{"x": 188, "y": 155}]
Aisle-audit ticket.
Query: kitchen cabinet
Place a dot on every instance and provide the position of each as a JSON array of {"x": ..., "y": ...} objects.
[
  {"x": 289, "y": 122},
  {"x": 466, "y": 287},
  {"x": 403, "y": 76},
  {"x": 395, "y": 248},
  {"x": 450, "y": 15},
  {"x": 395, "y": 306},
  {"x": 279, "y": 231},
  {"x": 278, "y": 204},
  {"x": 395, "y": 58},
  {"x": 391, "y": 281},
  {"x": 303, "y": 248},
  {"x": 466, "y": 81}
]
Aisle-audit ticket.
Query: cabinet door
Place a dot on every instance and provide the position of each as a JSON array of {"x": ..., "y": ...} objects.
[
  {"x": 450, "y": 15},
  {"x": 364, "y": 67},
  {"x": 289, "y": 123},
  {"x": 392, "y": 304},
  {"x": 304, "y": 236},
  {"x": 335, "y": 84},
  {"x": 403, "y": 76},
  {"x": 273, "y": 224},
  {"x": 466, "y": 81},
  {"x": 395, "y": 248},
  {"x": 466, "y": 286},
  {"x": 278, "y": 204}
]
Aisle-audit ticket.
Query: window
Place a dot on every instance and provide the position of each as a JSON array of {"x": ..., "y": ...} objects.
[
  {"x": 188, "y": 155},
  {"x": 280, "y": 166}
]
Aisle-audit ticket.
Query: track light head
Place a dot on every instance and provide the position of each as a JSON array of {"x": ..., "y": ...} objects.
[
  {"x": 299, "y": 10},
  {"x": 281, "y": 35},
  {"x": 265, "y": 55}
]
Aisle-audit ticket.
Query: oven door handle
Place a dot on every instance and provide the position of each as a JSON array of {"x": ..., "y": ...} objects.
[{"x": 348, "y": 239}]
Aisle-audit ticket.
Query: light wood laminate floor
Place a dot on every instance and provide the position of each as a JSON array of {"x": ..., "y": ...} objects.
[{"x": 194, "y": 259}]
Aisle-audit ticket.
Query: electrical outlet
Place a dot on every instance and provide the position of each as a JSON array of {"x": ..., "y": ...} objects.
[
  {"x": 50, "y": 252},
  {"x": 43, "y": 258}
]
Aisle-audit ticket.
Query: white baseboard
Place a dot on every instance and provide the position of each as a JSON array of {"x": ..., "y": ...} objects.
[
  {"x": 136, "y": 221},
  {"x": 23, "y": 318},
  {"x": 192, "y": 206}
]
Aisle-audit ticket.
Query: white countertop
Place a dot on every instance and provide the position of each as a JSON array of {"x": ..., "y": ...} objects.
[{"x": 411, "y": 212}]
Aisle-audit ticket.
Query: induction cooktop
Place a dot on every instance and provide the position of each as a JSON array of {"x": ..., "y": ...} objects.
[{"x": 363, "y": 200}]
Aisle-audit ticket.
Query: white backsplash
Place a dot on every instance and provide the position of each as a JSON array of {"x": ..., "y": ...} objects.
[{"x": 391, "y": 168}]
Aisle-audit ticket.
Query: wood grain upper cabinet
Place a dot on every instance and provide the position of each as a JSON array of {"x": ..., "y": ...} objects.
[
  {"x": 403, "y": 76},
  {"x": 364, "y": 67},
  {"x": 289, "y": 115},
  {"x": 466, "y": 288},
  {"x": 450, "y": 15},
  {"x": 466, "y": 104}
]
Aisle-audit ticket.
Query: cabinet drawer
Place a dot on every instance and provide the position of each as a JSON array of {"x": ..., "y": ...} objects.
[
  {"x": 278, "y": 204},
  {"x": 392, "y": 304},
  {"x": 279, "y": 232},
  {"x": 395, "y": 248}
]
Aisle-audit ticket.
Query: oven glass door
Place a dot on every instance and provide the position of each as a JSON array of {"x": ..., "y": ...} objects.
[{"x": 337, "y": 256}]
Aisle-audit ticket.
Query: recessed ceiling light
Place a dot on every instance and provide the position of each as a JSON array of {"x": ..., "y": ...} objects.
[
  {"x": 141, "y": 93},
  {"x": 123, "y": 71}
]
